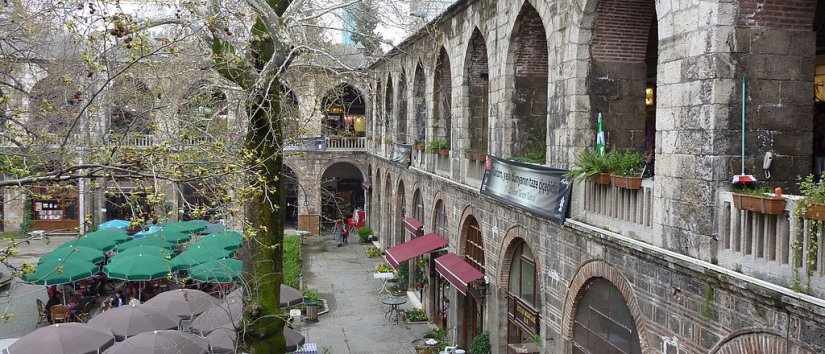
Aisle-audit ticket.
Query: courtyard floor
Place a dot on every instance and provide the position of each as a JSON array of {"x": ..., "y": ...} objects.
[{"x": 355, "y": 323}]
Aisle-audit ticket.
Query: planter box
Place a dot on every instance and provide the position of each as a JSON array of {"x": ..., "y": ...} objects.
[
  {"x": 815, "y": 211},
  {"x": 418, "y": 147},
  {"x": 601, "y": 179},
  {"x": 416, "y": 322},
  {"x": 444, "y": 152},
  {"x": 475, "y": 156},
  {"x": 623, "y": 182},
  {"x": 759, "y": 204}
]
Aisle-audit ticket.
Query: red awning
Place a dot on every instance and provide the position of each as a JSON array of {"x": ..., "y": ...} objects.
[
  {"x": 457, "y": 271},
  {"x": 414, "y": 248},
  {"x": 414, "y": 226}
]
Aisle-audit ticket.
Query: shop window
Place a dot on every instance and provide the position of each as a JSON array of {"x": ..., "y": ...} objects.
[
  {"x": 522, "y": 299},
  {"x": 603, "y": 322},
  {"x": 473, "y": 244}
]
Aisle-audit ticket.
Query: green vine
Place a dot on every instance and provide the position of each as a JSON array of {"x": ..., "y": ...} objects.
[
  {"x": 26, "y": 224},
  {"x": 814, "y": 192}
]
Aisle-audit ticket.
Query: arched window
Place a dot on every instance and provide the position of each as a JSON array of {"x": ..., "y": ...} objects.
[
  {"x": 477, "y": 84},
  {"x": 402, "y": 109},
  {"x": 473, "y": 243},
  {"x": 343, "y": 106},
  {"x": 442, "y": 98},
  {"x": 420, "y": 103},
  {"x": 388, "y": 108},
  {"x": 603, "y": 320},
  {"x": 523, "y": 311},
  {"x": 418, "y": 206},
  {"x": 523, "y": 275},
  {"x": 440, "y": 219},
  {"x": 400, "y": 210}
]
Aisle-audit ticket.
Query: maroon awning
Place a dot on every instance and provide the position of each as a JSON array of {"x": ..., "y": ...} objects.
[
  {"x": 457, "y": 271},
  {"x": 414, "y": 248},
  {"x": 414, "y": 226}
]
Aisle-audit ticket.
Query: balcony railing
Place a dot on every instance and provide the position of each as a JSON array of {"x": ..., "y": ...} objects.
[
  {"x": 131, "y": 140},
  {"x": 335, "y": 143},
  {"x": 772, "y": 247},
  {"x": 442, "y": 165},
  {"x": 626, "y": 211},
  {"x": 6, "y": 142}
]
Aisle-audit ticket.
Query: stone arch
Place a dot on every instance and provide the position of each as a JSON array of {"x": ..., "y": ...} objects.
[
  {"x": 476, "y": 92},
  {"x": 440, "y": 217},
  {"x": 341, "y": 190},
  {"x": 420, "y": 102},
  {"x": 527, "y": 89},
  {"x": 401, "y": 127},
  {"x": 755, "y": 340},
  {"x": 467, "y": 211},
  {"x": 511, "y": 237},
  {"x": 601, "y": 269},
  {"x": 389, "y": 98},
  {"x": 418, "y": 209},
  {"x": 442, "y": 97},
  {"x": 516, "y": 238},
  {"x": 387, "y": 234},
  {"x": 350, "y": 161},
  {"x": 53, "y": 105},
  {"x": 342, "y": 100},
  {"x": 400, "y": 211}
]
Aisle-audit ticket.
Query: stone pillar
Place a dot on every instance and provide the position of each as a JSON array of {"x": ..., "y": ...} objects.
[{"x": 13, "y": 212}]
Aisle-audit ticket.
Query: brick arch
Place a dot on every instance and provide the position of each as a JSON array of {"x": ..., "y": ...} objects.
[
  {"x": 440, "y": 198},
  {"x": 400, "y": 210},
  {"x": 754, "y": 340},
  {"x": 601, "y": 269},
  {"x": 358, "y": 165},
  {"x": 466, "y": 212},
  {"x": 418, "y": 191},
  {"x": 513, "y": 234}
]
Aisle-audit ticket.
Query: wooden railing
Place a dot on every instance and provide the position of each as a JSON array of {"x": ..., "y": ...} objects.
[
  {"x": 782, "y": 248},
  {"x": 336, "y": 143},
  {"x": 626, "y": 211}
]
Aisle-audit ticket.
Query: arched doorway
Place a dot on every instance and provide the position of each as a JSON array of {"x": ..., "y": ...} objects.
[
  {"x": 400, "y": 213},
  {"x": 439, "y": 291},
  {"x": 471, "y": 306},
  {"x": 522, "y": 295},
  {"x": 527, "y": 89},
  {"x": 819, "y": 93},
  {"x": 344, "y": 112},
  {"x": 387, "y": 234},
  {"x": 622, "y": 78},
  {"x": 342, "y": 192},
  {"x": 442, "y": 98},
  {"x": 603, "y": 320},
  {"x": 291, "y": 185},
  {"x": 418, "y": 206}
]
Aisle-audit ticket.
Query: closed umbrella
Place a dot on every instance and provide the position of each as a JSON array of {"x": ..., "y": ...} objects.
[
  {"x": 161, "y": 342},
  {"x": 290, "y": 296},
  {"x": 223, "y": 313},
  {"x": 198, "y": 254},
  {"x": 138, "y": 266},
  {"x": 182, "y": 302},
  {"x": 150, "y": 250},
  {"x": 61, "y": 271},
  {"x": 73, "y": 252},
  {"x": 115, "y": 224},
  {"x": 218, "y": 271},
  {"x": 147, "y": 241},
  {"x": 127, "y": 321},
  {"x": 230, "y": 240},
  {"x": 63, "y": 338}
]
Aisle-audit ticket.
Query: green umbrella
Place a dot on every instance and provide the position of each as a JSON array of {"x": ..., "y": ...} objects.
[
  {"x": 217, "y": 271},
  {"x": 137, "y": 266},
  {"x": 61, "y": 271},
  {"x": 102, "y": 243},
  {"x": 175, "y": 236},
  {"x": 197, "y": 254},
  {"x": 230, "y": 240},
  {"x": 119, "y": 235},
  {"x": 146, "y": 249},
  {"x": 148, "y": 241},
  {"x": 73, "y": 252},
  {"x": 192, "y": 226}
]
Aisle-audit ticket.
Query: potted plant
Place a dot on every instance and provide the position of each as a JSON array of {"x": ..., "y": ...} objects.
[
  {"x": 758, "y": 200},
  {"x": 418, "y": 145},
  {"x": 135, "y": 225},
  {"x": 481, "y": 344},
  {"x": 416, "y": 316},
  {"x": 626, "y": 169},
  {"x": 383, "y": 268},
  {"x": 373, "y": 252},
  {"x": 814, "y": 202},
  {"x": 312, "y": 302},
  {"x": 364, "y": 234},
  {"x": 592, "y": 165},
  {"x": 440, "y": 147}
]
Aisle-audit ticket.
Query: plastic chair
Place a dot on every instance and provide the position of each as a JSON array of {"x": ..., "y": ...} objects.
[{"x": 60, "y": 313}]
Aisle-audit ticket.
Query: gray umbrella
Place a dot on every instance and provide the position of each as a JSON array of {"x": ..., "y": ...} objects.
[
  {"x": 126, "y": 321},
  {"x": 63, "y": 338},
  {"x": 214, "y": 228},
  {"x": 161, "y": 342},
  {"x": 185, "y": 303},
  {"x": 225, "y": 312},
  {"x": 222, "y": 339},
  {"x": 290, "y": 296}
]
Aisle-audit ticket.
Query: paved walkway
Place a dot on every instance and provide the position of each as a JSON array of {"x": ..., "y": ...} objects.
[{"x": 355, "y": 322}]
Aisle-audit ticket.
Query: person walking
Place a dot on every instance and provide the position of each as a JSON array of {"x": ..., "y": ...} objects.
[
  {"x": 338, "y": 229},
  {"x": 344, "y": 231}
]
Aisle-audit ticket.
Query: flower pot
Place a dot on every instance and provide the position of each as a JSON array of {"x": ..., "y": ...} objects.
[
  {"x": 759, "y": 204},
  {"x": 444, "y": 152},
  {"x": 419, "y": 147},
  {"x": 601, "y": 179},
  {"x": 815, "y": 211},
  {"x": 626, "y": 182}
]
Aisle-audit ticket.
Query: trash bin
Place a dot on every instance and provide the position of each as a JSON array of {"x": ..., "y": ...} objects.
[{"x": 311, "y": 308}]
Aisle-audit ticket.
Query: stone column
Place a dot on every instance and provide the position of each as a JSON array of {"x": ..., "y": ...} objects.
[{"x": 13, "y": 212}]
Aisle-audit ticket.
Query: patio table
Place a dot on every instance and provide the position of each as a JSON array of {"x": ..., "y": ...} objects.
[
  {"x": 385, "y": 277},
  {"x": 393, "y": 303}
]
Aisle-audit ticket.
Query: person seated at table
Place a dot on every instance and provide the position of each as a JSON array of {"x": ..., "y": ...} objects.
[
  {"x": 74, "y": 307},
  {"x": 118, "y": 300},
  {"x": 54, "y": 299}
]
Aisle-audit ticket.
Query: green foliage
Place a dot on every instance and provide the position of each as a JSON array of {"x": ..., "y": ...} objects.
[
  {"x": 481, "y": 344},
  {"x": 364, "y": 234},
  {"x": 813, "y": 191},
  {"x": 292, "y": 260},
  {"x": 708, "y": 310},
  {"x": 438, "y": 144},
  {"x": 383, "y": 268},
  {"x": 758, "y": 191},
  {"x": 536, "y": 157},
  {"x": 626, "y": 163},
  {"x": 311, "y": 296},
  {"x": 440, "y": 335},
  {"x": 403, "y": 275},
  {"x": 590, "y": 163},
  {"x": 416, "y": 315},
  {"x": 26, "y": 224},
  {"x": 373, "y": 252}
]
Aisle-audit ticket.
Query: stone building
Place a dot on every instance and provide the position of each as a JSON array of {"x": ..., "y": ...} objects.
[{"x": 671, "y": 267}]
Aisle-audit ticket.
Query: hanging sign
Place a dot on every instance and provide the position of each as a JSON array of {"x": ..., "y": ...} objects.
[
  {"x": 401, "y": 154},
  {"x": 541, "y": 190}
]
